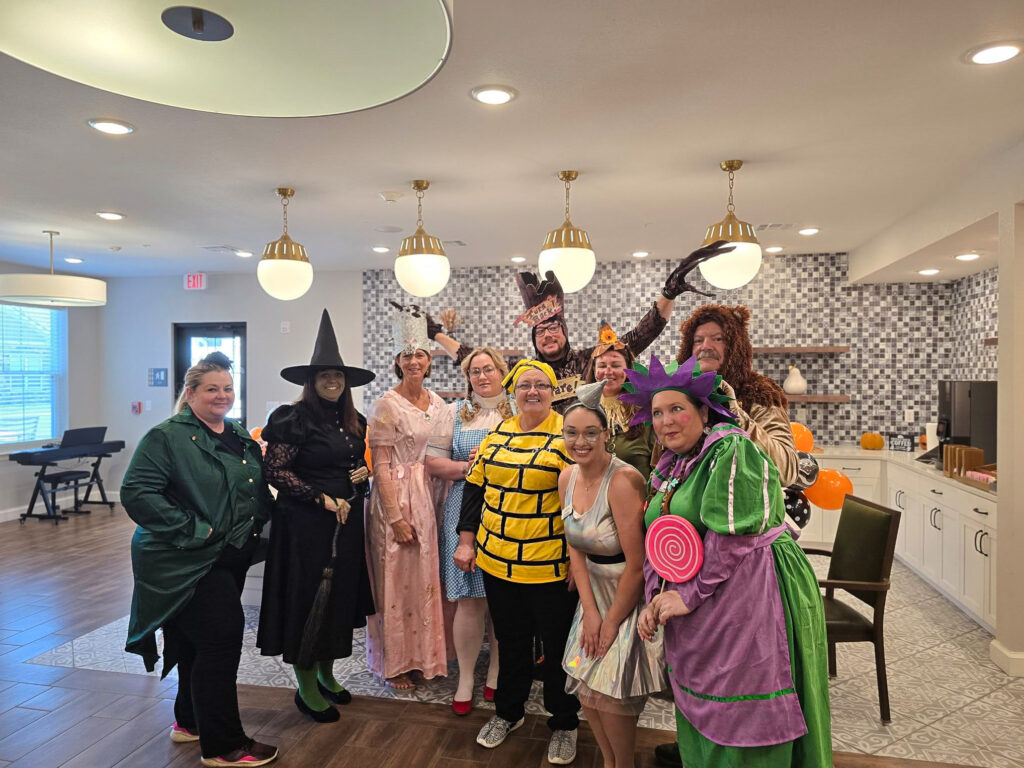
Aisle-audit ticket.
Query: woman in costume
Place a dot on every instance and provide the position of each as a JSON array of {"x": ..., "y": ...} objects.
[
  {"x": 608, "y": 364},
  {"x": 314, "y": 451},
  {"x": 611, "y": 669},
  {"x": 510, "y": 508},
  {"x": 449, "y": 455},
  {"x": 406, "y": 634},
  {"x": 745, "y": 638},
  {"x": 195, "y": 487}
]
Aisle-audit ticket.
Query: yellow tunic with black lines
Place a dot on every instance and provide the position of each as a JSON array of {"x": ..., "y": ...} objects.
[{"x": 521, "y": 537}]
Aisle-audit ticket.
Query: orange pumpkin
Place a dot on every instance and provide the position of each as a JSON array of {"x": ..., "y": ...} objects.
[
  {"x": 829, "y": 489},
  {"x": 802, "y": 437},
  {"x": 872, "y": 441}
]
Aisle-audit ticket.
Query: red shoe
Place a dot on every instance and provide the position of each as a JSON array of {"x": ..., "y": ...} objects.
[
  {"x": 461, "y": 708},
  {"x": 488, "y": 693}
]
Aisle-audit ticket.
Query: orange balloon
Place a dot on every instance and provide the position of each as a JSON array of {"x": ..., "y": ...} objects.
[
  {"x": 366, "y": 454},
  {"x": 256, "y": 432},
  {"x": 829, "y": 490},
  {"x": 802, "y": 437}
]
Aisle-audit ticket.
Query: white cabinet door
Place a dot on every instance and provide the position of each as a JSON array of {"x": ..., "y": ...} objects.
[
  {"x": 951, "y": 572},
  {"x": 913, "y": 522},
  {"x": 931, "y": 541},
  {"x": 987, "y": 544},
  {"x": 974, "y": 594},
  {"x": 895, "y": 500}
]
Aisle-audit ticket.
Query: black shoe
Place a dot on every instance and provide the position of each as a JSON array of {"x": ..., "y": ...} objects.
[
  {"x": 668, "y": 754},
  {"x": 329, "y": 715},
  {"x": 338, "y": 697}
]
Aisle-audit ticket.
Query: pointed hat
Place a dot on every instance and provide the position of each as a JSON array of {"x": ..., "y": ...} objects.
[{"x": 327, "y": 357}]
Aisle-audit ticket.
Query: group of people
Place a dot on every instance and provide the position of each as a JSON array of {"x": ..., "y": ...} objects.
[{"x": 522, "y": 505}]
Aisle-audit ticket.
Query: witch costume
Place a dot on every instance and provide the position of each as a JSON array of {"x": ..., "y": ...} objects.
[
  {"x": 310, "y": 454},
  {"x": 747, "y": 664}
]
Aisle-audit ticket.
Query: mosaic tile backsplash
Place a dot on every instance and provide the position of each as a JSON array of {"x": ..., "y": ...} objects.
[{"x": 900, "y": 335}]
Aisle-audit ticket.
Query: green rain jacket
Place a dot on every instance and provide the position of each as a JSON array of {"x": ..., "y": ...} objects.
[{"x": 190, "y": 501}]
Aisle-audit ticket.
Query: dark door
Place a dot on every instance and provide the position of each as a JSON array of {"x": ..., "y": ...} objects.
[{"x": 194, "y": 341}]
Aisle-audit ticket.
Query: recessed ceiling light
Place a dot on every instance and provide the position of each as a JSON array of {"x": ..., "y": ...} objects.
[
  {"x": 72, "y": 260},
  {"x": 381, "y": 249},
  {"x": 808, "y": 231},
  {"x": 113, "y": 127},
  {"x": 773, "y": 249},
  {"x": 928, "y": 272},
  {"x": 493, "y": 94},
  {"x": 968, "y": 257},
  {"x": 641, "y": 254},
  {"x": 241, "y": 252},
  {"x": 993, "y": 53},
  {"x": 110, "y": 215},
  {"x": 518, "y": 259}
]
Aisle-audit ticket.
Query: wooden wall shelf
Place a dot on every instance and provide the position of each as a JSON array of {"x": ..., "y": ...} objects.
[
  {"x": 818, "y": 398},
  {"x": 800, "y": 350}
]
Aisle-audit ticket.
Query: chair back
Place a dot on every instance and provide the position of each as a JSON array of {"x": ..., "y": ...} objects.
[{"x": 864, "y": 546}]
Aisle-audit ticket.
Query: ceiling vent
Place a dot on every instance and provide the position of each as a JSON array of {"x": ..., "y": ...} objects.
[
  {"x": 460, "y": 243},
  {"x": 772, "y": 227}
]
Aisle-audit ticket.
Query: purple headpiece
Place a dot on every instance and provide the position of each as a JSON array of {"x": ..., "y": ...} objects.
[{"x": 643, "y": 383}]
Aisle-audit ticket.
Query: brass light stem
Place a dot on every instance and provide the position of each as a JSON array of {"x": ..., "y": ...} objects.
[{"x": 51, "y": 233}]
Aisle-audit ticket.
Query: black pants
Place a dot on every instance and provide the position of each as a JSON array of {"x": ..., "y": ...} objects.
[
  {"x": 208, "y": 634},
  {"x": 519, "y": 611}
]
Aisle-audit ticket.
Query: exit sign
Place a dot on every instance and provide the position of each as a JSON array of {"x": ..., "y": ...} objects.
[{"x": 195, "y": 281}]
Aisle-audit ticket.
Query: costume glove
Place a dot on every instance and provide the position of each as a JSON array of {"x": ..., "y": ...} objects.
[{"x": 676, "y": 282}]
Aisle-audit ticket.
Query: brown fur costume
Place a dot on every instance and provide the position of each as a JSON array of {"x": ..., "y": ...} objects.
[{"x": 738, "y": 367}]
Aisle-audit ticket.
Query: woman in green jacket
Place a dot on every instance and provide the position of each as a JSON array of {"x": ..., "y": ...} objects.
[{"x": 195, "y": 487}]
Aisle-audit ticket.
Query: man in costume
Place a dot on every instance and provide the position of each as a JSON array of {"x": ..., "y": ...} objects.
[{"x": 545, "y": 316}]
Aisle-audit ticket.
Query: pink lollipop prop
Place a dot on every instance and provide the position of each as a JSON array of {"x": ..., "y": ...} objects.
[{"x": 674, "y": 549}]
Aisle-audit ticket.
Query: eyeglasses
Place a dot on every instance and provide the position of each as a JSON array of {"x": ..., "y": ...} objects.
[
  {"x": 549, "y": 330},
  {"x": 488, "y": 371},
  {"x": 590, "y": 435},
  {"x": 526, "y": 386}
]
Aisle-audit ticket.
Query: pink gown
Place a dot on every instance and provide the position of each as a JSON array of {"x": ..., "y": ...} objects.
[{"x": 407, "y": 632}]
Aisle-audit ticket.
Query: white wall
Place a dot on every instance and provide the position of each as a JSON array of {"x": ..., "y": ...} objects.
[
  {"x": 137, "y": 329},
  {"x": 84, "y": 348}
]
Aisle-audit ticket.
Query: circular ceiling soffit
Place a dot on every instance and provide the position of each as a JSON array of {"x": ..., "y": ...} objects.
[{"x": 298, "y": 59}]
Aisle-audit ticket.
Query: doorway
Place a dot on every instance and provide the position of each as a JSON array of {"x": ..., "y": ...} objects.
[{"x": 194, "y": 341}]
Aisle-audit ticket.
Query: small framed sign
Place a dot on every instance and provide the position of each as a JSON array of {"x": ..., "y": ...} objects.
[
  {"x": 901, "y": 442},
  {"x": 157, "y": 377},
  {"x": 195, "y": 281}
]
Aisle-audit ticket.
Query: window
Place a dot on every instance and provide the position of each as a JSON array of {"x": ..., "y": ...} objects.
[{"x": 33, "y": 373}]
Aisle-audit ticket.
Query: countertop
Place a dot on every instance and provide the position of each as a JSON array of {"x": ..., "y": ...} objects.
[{"x": 900, "y": 458}]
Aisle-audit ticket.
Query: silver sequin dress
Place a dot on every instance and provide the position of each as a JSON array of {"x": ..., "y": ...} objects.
[{"x": 621, "y": 680}]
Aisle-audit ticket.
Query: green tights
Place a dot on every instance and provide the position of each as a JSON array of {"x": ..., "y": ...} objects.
[{"x": 323, "y": 672}]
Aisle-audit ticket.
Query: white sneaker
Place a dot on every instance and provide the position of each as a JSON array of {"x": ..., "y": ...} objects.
[
  {"x": 496, "y": 730},
  {"x": 562, "y": 747}
]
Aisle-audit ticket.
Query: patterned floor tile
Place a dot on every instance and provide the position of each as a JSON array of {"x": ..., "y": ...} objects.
[
  {"x": 942, "y": 746},
  {"x": 856, "y": 722},
  {"x": 921, "y": 700},
  {"x": 940, "y": 667}
]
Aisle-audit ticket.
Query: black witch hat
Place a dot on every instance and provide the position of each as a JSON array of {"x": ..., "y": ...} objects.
[{"x": 327, "y": 357}]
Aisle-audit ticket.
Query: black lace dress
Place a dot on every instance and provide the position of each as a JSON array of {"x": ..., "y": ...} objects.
[{"x": 309, "y": 453}]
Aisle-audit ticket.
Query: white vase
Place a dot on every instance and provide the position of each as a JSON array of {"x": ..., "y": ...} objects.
[{"x": 795, "y": 383}]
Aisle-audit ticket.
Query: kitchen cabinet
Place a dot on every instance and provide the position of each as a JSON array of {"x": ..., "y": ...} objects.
[
  {"x": 866, "y": 476},
  {"x": 977, "y": 592}
]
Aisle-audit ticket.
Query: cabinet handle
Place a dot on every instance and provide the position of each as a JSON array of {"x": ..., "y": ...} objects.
[
  {"x": 981, "y": 540},
  {"x": 938, "y": 512},
  {"x": 976, "y": 535},
  {"x": 936, "y": 492},
  {"x": 980, "y": 511},
  {"x": 852, "y": 469},
  {"x": 897, "y": 500}
]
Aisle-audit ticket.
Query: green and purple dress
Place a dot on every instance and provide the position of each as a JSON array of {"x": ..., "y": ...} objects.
[{"x": 748, "y": 663}]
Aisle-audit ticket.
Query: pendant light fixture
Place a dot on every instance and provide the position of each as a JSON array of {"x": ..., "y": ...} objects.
[
  {"x": 284, "y": 272},
  {"x": 421, "y": 266},
  {"x": 740, "y": 265},
  {"x": 52, "y": 290},
  {"x": 566, "y": 250}
]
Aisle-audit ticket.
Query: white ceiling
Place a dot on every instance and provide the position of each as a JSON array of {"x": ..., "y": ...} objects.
[{"x": 848, "y": 115}]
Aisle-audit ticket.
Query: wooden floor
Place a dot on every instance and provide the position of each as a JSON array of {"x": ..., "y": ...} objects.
[{"x": 59, "y": 583}]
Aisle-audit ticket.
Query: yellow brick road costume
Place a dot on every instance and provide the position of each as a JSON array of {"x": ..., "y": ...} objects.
[{"x": 511, "y": 503}]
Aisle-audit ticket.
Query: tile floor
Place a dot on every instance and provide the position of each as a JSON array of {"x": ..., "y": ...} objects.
[{"x": 949, "y": 702}]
